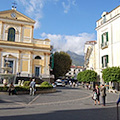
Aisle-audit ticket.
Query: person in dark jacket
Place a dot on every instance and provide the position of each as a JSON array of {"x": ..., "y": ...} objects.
[
  {"x": 103, "y": 93},
  {"x": 11, "y": 89},
  {"x": 97, "y": 92}
]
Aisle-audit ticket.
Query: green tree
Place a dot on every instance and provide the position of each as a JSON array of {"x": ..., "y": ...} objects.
[
  {"x": 80, "y": 76},
  {"x": 87, "y": 76},
  {"x": 111, "y": 74},
  {"x": 62, "y": 63}
]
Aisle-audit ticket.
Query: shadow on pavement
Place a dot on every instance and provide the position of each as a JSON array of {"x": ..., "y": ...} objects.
[
  {"x": 81, "y": 114},
  {"x": 67, "y": 87},
  {"x": 111, "y": 103},
  {"x": 12, "y": 108},
  {"x": 3, "y": 101}
]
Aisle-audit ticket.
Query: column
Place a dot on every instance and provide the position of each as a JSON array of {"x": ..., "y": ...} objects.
[
  {"x": 31, "y": 63},
  {"x": 44, "y": 63},
  {"x": 0, "y": 58},
  {"x": 47, "y": 63},
  {"x": 21, "y": 34},
  {"x": 32, "y": 33},
  {"x": 19, "y": 61},
  {"x": 2, "y": 30}
]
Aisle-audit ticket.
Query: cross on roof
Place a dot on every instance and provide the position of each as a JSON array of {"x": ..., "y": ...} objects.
[{"x": 14, "y": 5}]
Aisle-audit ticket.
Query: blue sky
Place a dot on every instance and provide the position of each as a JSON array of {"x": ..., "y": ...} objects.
[{"x": 67, "y": 23}]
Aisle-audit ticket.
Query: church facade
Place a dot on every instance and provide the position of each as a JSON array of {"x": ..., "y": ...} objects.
[{"x": 28, "y": 57}]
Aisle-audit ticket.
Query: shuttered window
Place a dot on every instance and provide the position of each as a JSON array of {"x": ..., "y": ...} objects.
[
  {"x": 105, "y": 61},
  {"x": 102, "y": 39},
  {"x": 105, "y": 37},
  {"x": 102, "y": 60}
]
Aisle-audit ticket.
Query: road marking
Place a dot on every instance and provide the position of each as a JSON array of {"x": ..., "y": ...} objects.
[{"x": 34, "y": 99}]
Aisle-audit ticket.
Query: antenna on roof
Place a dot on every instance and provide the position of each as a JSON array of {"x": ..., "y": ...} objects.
[{"x": 14, "y": 6}]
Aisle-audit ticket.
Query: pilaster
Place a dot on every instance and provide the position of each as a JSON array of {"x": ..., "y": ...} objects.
[
  {"x": 45, "y": 63},
  {"x": 0, "y": 58},
  {"x": 2, "y": 30},
  {"x": 21, "y": 33},
  {"x": 32, "y": 33},
  {"x": 31, "y": 62},
  {"x": 19, "y": 61}
]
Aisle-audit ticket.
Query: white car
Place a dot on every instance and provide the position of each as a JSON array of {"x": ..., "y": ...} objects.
[{"x": 59, "y": 83}]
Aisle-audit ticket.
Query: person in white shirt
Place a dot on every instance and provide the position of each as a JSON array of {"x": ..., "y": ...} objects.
[{"x": 32, "y": 87}]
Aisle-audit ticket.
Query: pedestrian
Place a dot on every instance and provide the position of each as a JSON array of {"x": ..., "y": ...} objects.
[
  {"x": 97, "y": 92},
  {"x": 89, "y": 86},
  {"x": 70, "y": 83},
  {"x": 77, "y": 84},
  {"x": 83, "y": 85},
  {"x": 103, "y": 94},
  {"x": 54, "y": 85},
  {"x": 74, "y": 84},
  {"x": 11, "y": 89},
  {"x": 32, "y": 87}
]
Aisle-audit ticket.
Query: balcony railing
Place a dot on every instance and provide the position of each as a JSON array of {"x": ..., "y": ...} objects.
[
  {"x": 104, "y": 45},
  {"x": 105, "y": 65}
]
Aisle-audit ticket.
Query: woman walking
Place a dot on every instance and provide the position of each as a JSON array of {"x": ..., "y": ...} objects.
[{"x": 96, "y": 94}]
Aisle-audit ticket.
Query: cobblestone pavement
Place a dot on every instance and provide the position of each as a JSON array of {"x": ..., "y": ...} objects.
[{"x": 66, "y": 103}]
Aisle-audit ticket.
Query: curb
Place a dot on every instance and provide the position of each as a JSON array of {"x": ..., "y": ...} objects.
[{"x": 27, "y": 92}]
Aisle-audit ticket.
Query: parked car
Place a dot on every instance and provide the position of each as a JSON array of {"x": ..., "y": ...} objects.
[{"x": 59, "y": 83}]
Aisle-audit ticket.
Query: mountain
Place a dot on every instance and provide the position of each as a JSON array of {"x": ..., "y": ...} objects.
[{"x": 77, "y": 60}]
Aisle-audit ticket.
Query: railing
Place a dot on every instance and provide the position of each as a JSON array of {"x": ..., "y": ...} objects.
[
  {"x": 104, "y": 45},
  {"x": 105, "y": 65},
  {"x": 30, "y": 41},
  {"x": 42, "y": 42}
]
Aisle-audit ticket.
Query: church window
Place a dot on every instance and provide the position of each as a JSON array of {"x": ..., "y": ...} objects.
[
  {"x": 11, "y": 34},
  {"x": 37, "y": 57}
]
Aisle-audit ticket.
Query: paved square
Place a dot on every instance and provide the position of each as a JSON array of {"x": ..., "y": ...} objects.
[{"x": 66, "y": 103}]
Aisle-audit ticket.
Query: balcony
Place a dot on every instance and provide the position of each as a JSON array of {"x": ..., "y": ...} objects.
[
  {"x": 105, "y": 65},
  {"x": 104, "y": 45}
]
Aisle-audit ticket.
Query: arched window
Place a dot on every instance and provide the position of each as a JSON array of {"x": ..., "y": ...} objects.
[
  {"x": 37, "y": 57},
  {"x": 11, "y": 34}
]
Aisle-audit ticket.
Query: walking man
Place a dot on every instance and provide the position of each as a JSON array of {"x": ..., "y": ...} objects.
[
  {"x": 103, "y": 94},
  {"x": 32, "y": 87}
]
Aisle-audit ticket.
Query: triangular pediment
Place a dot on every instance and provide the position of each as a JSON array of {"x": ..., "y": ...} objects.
[
  {"x": 15, "y": 15},
  {"x": 9, "y": 56}
]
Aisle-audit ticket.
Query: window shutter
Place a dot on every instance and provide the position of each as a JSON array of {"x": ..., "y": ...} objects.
[
  {"x": 107, "y": 36},
  {"x": 107, "y": 58},
  {"x": 102, "y": 60},
  {"x": 102, "y": 39}
]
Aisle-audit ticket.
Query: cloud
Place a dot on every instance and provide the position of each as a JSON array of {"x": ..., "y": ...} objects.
[
  {"x": 69, "y": 42},
  {"x": 67, "y": 5},
  {"x": 33, "y": 8}
]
